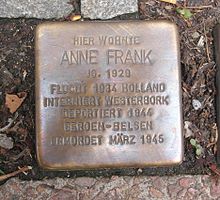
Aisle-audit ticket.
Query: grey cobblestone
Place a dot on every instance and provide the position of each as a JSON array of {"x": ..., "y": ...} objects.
[
  {"x": 43, "y": 9},
  {"x": 114, "y": 188},
  {"x": 106, "y": 9}
]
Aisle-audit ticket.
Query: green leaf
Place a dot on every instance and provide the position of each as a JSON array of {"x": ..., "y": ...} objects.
[
  {"x": 180, "y": 11},
  {"x": 1, "y": 172},
  {"x": 193, "y": 142},
  {"x": 199, "y": 151},
  {"x": 186, "y": 13}
]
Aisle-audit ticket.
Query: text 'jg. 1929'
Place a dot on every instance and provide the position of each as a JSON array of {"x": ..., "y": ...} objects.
[{"x": 108, "y": 95}]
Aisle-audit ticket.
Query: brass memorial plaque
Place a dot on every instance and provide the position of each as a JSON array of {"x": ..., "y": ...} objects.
[{"x": 108, "y": 95}]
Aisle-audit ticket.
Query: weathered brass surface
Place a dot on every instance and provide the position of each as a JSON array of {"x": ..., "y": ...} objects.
[
  {"x": 217, "y": 58},
  {"x": 108, "y": 95}
]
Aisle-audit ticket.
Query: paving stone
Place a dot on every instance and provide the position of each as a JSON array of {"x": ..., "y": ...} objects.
[
  {"x": 186, "y": 182},
  {"x": 173, "y": 190},
  {"x": 64, "y": 194},
  {"x": 182, "y": 193},
  {"x": 106, "y": 9},
  {"x": 43, "y": 9},
  {"x": 215, "y": 189},
  {"x": 193, "y": 192},
  {"x": 155, "y": 193},
  {"x": 159, "y": 183},
  {"x": 114, "y": 188},
  {"x": 85, "y": 181}
]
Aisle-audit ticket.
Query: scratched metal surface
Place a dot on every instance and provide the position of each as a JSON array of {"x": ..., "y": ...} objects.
[{"x": 151, "y": 137}]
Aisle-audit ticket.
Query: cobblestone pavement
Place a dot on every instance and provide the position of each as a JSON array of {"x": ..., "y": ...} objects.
[
  {"x": 35, "y": 8},
  {"x": 114, "y": 188},
  {"x": 106, "y": 9}
]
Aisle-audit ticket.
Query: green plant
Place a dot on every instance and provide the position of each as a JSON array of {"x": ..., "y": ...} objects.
[
  {"x": 186, "y": 13},
  {"x": 197, "y": 146}
]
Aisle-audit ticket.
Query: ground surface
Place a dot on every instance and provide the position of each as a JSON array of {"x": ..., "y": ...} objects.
[
  {"x": 98, "y": 9},
  {"x": 42, "y": 9},
  {"x": 114, "y": 188},
  {"x": 198, "y": 76}
]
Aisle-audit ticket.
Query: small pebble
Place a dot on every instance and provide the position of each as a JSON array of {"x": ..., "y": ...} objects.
[
  {"x": 6, "y": 142},
  {"x": 196, "y": 104},
  {"x": 168, "y": 7},
  {"x": 139, "y": 171},
  {"x": 201, "y": 41},
  {"x": 195, "y": 35},
  {"x": 187, "y": 132}
]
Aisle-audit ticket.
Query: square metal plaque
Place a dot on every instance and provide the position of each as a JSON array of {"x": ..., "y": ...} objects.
[{"x": 108, "y": 95}]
